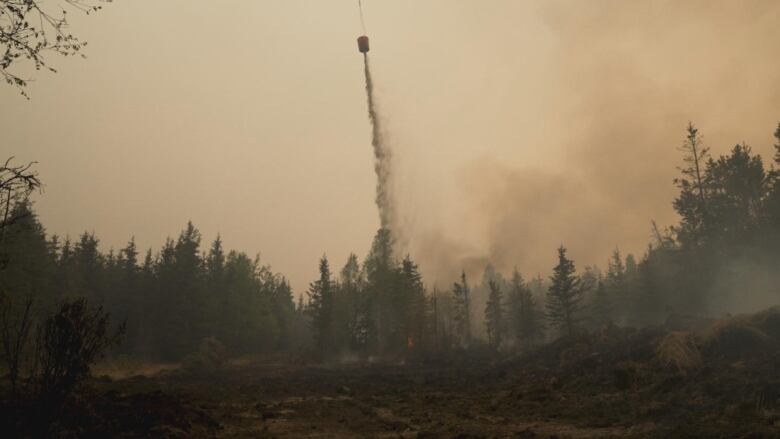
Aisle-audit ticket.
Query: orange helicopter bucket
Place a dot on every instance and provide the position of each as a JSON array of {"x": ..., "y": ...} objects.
[{"x": 363, "y": 44}]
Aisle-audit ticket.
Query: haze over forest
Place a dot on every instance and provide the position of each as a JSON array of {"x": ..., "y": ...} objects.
[
  {"x": 547, "y": 123},
  {"x": 348, "y": 219}
]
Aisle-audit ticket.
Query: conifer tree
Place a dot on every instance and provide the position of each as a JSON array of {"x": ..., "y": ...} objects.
[
  {"x": 564, "y": 295},
  {"x": 25, "y": 260},
  {"x": 215, "y": 261},
  {"x": 89, "y": 268},
  {"x": 525, "y": 317},
  {"x": 777, "y": 145},
  {"x": 216, "y": 305},
  {"x": 738, "y": 185},
  {"x": 188, "y": 287},
  {"x": 602, "y": 306},
  {"x": 691, "y": 204},
  {"x": 383, "y": 323},
  {"x": 494, "y": 315},
  {"x": 413, "y": 307},
  {"x": 616, "y": 297},
  {"x": 773, "y": 198},
  {"x": 462, "y": 301},
  {"x": 354, "y": 302},
  {"x": 321, "y": 309},
  {"x": 126, "y": 302}
]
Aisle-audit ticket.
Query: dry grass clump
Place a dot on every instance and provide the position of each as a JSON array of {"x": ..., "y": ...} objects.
[
  {"x": 678, "y": 350},
  {"x": 768, "y": 321},
  {"x": 734, "y": 337},
  {"x": 571, "y": 356},
  {"x": 210, "y": 357}
]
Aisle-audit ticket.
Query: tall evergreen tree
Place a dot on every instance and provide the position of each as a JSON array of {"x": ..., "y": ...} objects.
[
  {"x": 602, "y": 307},
  {"x": 215, "y": 260},
  {"x": 144, "y": 342},
  {"x": 321, "y": 309},
  {"x": 494, "y": 315},
  {"x": 777, "y": 145},
  {"x": 589, "y": 281},
  {"x": 188, "y": 287},
  {"x": 168, "y": 321},
  {"x": 413, "y": 304},
  {"x": 283, "y": 311},
  {"x": 737, "y": 186},
  {"x": 355, "y": 304},
  {"x": 615, "y": 290},
  {"x": 26, "y": 262},
  {"x": 564, "y": 295},
  {"x": 462, "y": 301},
  {"x": 126, "y": 301},
  {"x": 773, "y": 202},
  {"x": 350, "y": 273},
  {"x": 89, "y": 268},
  {"x": 525, "y": 317},
  {"x": 691, "y": 204},
  {"x": 216, "y": 304},
  {"x": 631, "y": 267},
  {"x": 385, "y": 329}
]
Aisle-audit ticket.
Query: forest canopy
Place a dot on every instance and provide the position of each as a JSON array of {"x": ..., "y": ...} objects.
[{"x": 721, "y": 257}]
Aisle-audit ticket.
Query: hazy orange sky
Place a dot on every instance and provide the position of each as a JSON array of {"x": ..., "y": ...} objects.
[{"x": 516, "y": 125}]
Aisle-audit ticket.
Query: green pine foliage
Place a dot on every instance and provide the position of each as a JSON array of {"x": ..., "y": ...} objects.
[
  {"x": 462, "y": 313},
  {"x": 170, "y": 300},
  {"x": 564, "y": 295},
  {"x": 494, "y": 315},
  {"x": 525, "y": 318},
  {"x": 321, "y": 308},
  {"x": 720, "y": 257}
]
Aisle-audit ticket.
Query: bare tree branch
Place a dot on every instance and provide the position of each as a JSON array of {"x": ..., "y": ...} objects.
[{"x": 17, "y": 182}]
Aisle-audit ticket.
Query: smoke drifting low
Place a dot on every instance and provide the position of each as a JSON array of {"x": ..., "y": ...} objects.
[{"x": 623, "y": 79}]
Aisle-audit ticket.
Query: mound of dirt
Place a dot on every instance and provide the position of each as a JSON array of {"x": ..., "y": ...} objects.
[
  {"x": 92, "y": 412},
  {"x": 709, "y": 379},
  {"x": 721, "y": 380}
]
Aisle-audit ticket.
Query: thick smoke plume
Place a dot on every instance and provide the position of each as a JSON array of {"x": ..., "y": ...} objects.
[
  {"x": 619, "y": 83},
  {"x": 382, "y": 155}
]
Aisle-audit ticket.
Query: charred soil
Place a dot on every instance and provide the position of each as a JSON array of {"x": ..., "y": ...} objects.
[{"x": 721, "y": 379}]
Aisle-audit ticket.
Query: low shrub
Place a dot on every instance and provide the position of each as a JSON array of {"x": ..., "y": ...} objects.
[
  {"x": 679, "y": 351},
  {"x": 209, "y": 358}
]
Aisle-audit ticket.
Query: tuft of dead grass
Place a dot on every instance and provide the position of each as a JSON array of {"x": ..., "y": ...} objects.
[
  {"x": 734, "y": 337},
  {"x": 679, "y": 351},
  {"x": 768, "y": 321}
]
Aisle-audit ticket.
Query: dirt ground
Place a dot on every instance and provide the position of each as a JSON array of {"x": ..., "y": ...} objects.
[
  {"x": 266, "y": 400},
  {"x": 718, "y": 381}
]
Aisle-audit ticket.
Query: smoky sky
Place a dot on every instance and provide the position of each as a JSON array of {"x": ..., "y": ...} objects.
[
  {"x": 516, "y": 126},
  {"x": 627, "y": 78}
]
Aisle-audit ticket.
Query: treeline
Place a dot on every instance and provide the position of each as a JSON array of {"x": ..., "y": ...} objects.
[
  {"x": 722, "y": 256},
  {"x": 170, "y": 300},
  {"x": 383, "y": 308}
]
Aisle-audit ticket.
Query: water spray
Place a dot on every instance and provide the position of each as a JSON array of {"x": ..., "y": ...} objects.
[{"x": 382, "y": 153}]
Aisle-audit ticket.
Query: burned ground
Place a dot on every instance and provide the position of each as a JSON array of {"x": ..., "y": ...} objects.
[{"x": 614, "y": 382}]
